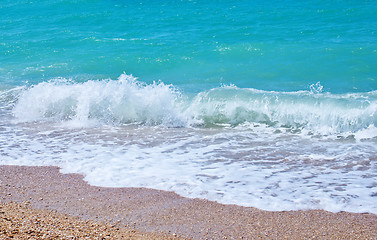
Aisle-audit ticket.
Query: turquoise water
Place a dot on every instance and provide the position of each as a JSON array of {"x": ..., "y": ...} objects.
[
  {"x": 264, "y": 104},
  {"x": 280, "y": 45}
]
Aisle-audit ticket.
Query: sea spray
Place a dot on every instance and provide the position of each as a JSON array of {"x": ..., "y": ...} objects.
[
  {"x": 116, "y": 102},
  {"x": 129, "y": 101}
]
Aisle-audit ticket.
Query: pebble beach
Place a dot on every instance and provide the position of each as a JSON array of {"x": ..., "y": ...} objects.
[{"x": 42, "y": 203}]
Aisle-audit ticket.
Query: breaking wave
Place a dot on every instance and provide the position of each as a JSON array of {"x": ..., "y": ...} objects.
[{"x": 129, "y": 101}]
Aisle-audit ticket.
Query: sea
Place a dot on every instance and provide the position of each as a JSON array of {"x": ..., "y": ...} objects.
[{"x": 268, "y": 104}]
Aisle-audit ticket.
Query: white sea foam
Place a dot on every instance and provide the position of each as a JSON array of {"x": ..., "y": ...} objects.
[
  {"x": 127, "y": 101},
  {"x": 250, "y": 168},
  {"x": 271, "y": 150},
  {"x": 109, "y": 102}
]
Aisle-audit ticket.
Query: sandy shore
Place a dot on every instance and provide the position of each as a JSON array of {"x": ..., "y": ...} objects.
[
  {"x": 67, "y": 207},
  {"x": 20, "y": 221}
]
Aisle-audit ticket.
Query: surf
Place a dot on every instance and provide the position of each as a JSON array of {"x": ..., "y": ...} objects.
[{"x": 127, "y": 100}]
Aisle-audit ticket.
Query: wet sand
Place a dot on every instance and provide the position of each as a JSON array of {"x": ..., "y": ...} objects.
[{"x": 67, "y": 206}]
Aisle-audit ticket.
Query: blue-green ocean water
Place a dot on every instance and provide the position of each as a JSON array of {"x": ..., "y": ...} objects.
[
  {"x": 270, "y": 104},
  {"x": 196, "y": 45}
]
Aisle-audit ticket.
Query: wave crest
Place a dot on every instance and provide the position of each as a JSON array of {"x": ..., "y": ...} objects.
[
  {"x": 111, "y": 102},
  {"x": 128, "y": 101}
]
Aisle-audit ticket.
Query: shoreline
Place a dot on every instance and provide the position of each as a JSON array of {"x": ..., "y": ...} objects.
[{"x": 166, "y": 214}]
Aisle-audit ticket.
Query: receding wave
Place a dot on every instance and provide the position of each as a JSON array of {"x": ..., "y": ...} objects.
[{"x": 128, "y": 101}]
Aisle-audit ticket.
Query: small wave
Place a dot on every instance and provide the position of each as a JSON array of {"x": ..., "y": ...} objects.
[
  {"x": 9, "y": 97},
  {"x": 320, "y": 113},
  {"x": 111, "y": 102},
  {"x": 129, "y": 101}
]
